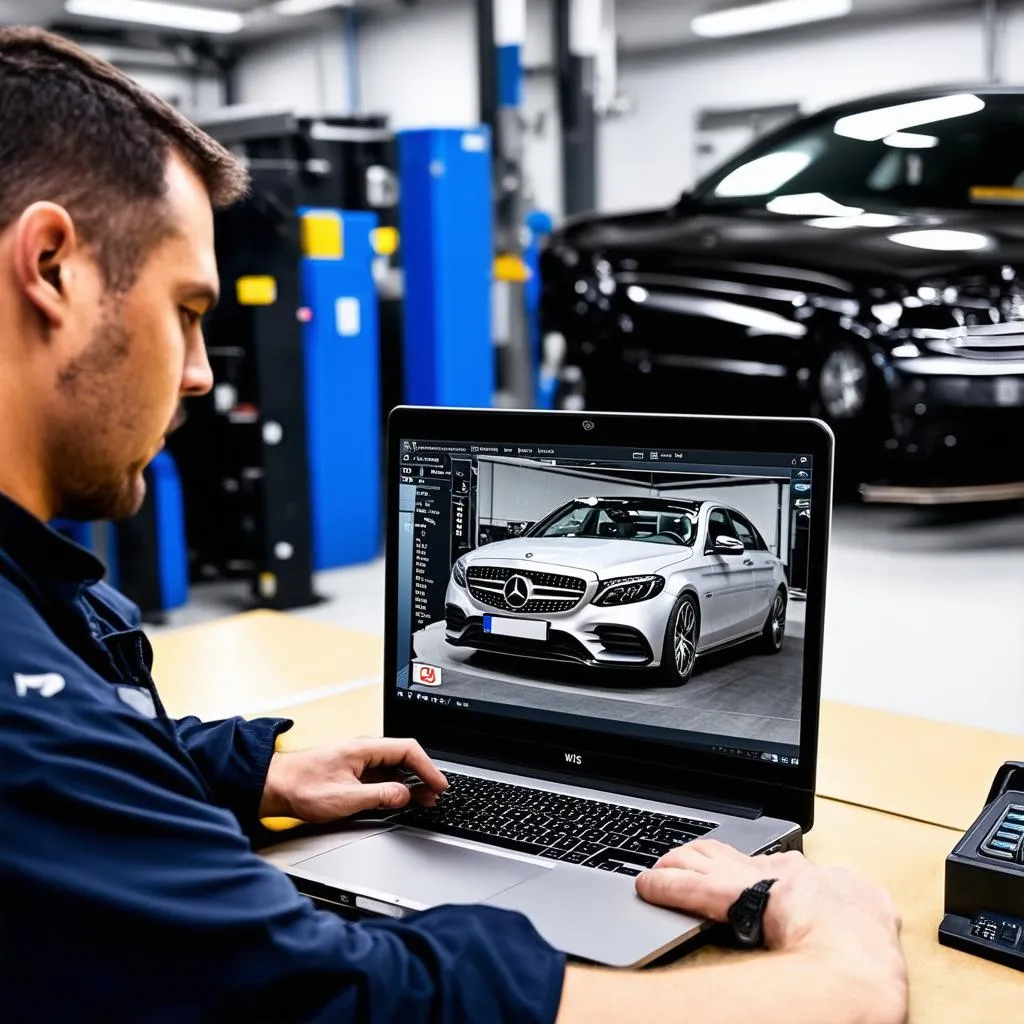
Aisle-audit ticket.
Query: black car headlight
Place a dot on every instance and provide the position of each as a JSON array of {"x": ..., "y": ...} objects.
[
  {"x": 459, "y": 573},
  {"x": 629, "y": 590}
]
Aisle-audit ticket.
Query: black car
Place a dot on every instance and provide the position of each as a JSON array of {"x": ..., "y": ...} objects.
[{"x": 864, "y": 264}]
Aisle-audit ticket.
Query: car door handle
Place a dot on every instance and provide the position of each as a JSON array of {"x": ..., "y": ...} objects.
[{"x": 748, "y": 561}]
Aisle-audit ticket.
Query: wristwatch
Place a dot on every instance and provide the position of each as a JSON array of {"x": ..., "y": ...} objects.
[{"x": 746, "y": 915}]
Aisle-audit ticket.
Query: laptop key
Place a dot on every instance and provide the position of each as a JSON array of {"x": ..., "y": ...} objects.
[
  {"x": 629, "y": 869},
  {"x": 616, "y": 857},
  {"x": 646, "y": 846}
]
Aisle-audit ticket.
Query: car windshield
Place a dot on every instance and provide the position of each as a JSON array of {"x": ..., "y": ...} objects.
[
  {"x": 633, "y": 522},
  {"x": 952, "y": 151}
]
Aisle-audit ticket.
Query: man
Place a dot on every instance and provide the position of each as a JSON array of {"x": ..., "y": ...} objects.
[{"x": 129, "y": 889}]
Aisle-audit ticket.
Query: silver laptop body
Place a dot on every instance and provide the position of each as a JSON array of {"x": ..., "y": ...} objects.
[{"x": 483, "y": 692}]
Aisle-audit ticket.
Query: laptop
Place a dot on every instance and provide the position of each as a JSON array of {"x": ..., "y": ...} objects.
[{"x": 606, "y": 629}]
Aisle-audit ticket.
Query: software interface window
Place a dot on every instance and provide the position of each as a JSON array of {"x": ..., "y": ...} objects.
[{"x": 654, "y": 592}]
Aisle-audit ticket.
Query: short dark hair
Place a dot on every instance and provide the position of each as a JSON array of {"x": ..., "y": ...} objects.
[{"x": 75, "y": 130}]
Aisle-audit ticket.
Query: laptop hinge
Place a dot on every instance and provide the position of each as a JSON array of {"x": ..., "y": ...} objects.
[{"x": 704, "y": 803}]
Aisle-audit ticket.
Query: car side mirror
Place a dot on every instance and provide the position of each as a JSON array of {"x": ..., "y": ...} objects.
[
  {"x": 727, "y": 546},
  {"x": 685, "y": 204}
]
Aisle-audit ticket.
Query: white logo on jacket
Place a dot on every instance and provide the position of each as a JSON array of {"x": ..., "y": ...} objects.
[{"x": 47, "y": 684}]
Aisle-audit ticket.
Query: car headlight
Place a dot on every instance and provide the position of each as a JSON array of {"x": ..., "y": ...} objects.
[
  {"x": 629, "y": 590},
  {"x": 459, "y": 573}
]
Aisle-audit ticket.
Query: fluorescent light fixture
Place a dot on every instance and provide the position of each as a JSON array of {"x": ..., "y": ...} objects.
[
  {"x": 861, "y": 220},
  {"x": 910, "y": 140},
  {"x": 872, "y": 125},
  {"x": 161, "y": 15},
  {"x": 762, "y": 17},
  {"x": 940, "y": 240},
  {"x": 296, "y": 8},
  {"x": 764, "y": 175},
  {"x": 811, "y": 204}
]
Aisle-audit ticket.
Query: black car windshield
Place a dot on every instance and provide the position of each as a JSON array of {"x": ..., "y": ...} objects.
[
  {"x": 621, "y": 522},
  {"x": 948, "y": 151}
]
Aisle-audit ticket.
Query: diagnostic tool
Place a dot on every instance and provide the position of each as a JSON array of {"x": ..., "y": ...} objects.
[{"x": 984, "y": 912}]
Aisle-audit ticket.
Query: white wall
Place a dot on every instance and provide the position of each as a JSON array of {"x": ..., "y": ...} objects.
[
  {"x": 306, "y": 73},
  {"x": 419, "y": 67}
]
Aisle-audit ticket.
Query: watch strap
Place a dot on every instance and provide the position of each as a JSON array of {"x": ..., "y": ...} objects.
[{"x": 746, "y": 915}]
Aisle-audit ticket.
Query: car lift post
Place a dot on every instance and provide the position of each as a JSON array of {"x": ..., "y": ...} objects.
[
  {"x": 501, "y": 32},
  {"x": 578, "y": 27}
]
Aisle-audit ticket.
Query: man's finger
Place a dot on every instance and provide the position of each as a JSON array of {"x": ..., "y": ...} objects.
[
  {"x": 411, "y": 755},
  {"x": 671, "y": 887},
  {"x": 374, "y": 796}
]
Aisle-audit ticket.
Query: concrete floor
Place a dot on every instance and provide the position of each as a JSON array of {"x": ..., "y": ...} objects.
[
  {"x": 739, "y": 692},
  {"x": 924, "y": 615}
]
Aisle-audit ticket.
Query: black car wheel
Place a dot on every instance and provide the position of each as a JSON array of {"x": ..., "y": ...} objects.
[
  {"x": 679, "y": 653},
  {"x": 774, "y": 631},
  {"x": 844, "y": 384}
]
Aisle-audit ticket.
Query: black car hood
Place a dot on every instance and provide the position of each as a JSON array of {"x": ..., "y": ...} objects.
[{"x": 766, "y": 244}]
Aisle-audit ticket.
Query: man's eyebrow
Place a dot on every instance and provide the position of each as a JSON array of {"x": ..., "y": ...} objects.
[{"x": 202, "y": 293}]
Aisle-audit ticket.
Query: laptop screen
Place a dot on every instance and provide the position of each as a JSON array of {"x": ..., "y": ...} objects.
[{"x": 657, "y": 594}]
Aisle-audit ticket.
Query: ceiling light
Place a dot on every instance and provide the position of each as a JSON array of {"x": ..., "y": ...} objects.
[
  {"x": 761, "y": 17},
  {"x": 295, "y": 8},
  {"x": 862, "y": 220},
  {"x": 764, "y": 175},
  {"x": 911, "y": 140},
  {"x": 872, "y": 125},
  {"x": 162, "y": 15},
  {"x": 811, "y": 204},
  {"x": 940, "y": 240}
]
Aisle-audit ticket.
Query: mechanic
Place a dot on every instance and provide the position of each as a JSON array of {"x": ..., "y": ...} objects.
[{"x": 129, "y": 889}]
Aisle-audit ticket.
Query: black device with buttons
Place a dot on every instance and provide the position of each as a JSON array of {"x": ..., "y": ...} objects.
[{"x": 985, "y": 877}]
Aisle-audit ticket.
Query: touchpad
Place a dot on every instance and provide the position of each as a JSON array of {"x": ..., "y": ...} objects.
[{"x": 420, "y": 870}]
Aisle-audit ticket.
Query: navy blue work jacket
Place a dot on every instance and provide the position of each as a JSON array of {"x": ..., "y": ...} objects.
[{"x": 129, "y": 889}]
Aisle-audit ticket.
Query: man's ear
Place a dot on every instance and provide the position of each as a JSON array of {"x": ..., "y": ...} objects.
[{"x": 44, "y": 241}]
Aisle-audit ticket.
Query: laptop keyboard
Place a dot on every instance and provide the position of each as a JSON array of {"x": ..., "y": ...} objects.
[{"x": 591, "y": 833}]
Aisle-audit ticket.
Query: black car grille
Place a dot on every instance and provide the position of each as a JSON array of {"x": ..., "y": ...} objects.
[
  {"x": 623, "y": 640},
  {"x": 454, "y": 617},
  {"x": 558, "y": 646},
  {"x": 551, "y": 593}
]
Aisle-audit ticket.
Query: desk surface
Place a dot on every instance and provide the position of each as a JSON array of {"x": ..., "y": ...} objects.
[
  {"x": 278, "y": 657},
  {"x": 267, "y": 662}
]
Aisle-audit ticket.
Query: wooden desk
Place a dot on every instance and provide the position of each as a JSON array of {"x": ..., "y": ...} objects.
[
  {"x": 271, "y": 663},
  {"x": 244, "y": 664},
  {"x": 931, "y": 771}
]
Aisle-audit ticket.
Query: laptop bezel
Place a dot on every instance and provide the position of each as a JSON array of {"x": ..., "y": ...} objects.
[{"x": 622, "y": 764}]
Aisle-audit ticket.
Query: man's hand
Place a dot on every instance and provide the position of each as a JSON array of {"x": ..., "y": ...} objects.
[
  {"x": 809, "y": 906},
  {"x": 328, "y": 783}
]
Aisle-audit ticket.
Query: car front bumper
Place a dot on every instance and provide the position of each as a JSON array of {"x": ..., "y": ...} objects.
[
  {"x": 622, "y": 636},
  {"x": 956, "y": 429}
]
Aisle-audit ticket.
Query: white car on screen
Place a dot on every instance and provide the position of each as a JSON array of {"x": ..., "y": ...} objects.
[{"x": 635, "y": 583}]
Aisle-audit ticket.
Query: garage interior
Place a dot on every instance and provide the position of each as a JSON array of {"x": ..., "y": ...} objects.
[
  {"x": 922, "y": 601},
  {"x": 786, "y": 208}
]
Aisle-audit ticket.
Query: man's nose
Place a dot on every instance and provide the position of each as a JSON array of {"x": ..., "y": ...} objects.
[{"x": 198, "y": 376}]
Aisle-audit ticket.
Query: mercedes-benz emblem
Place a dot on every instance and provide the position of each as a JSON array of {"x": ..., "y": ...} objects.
[{"x": 517, "y": 591}]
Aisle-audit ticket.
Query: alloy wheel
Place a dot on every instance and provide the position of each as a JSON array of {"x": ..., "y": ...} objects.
[
  {"x": 844, "y": 384},
  {"x": 684, "y": 639},
  {"x": 778, "y": 619}
]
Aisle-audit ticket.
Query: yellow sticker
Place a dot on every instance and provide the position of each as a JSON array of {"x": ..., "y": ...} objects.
[
  {"x": 997, "y": 194},
  {"x": 509, "y": 267},
  {"x": 322, "y": 235},
  {"x": 384, "y": 241},
  {"x": 256, "y": 291}
]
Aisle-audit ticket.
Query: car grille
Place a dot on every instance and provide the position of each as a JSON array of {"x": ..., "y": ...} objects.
[
  {"x": 551, "y": 593},
  {"x": 455, "y": 618},
  {"x": 623, "y": 640}
]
